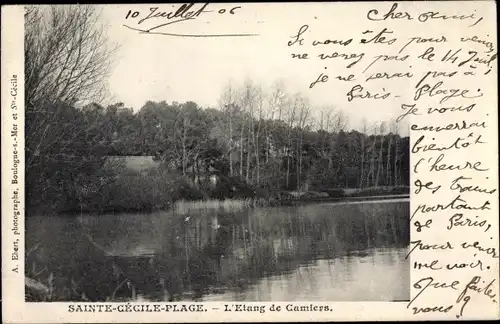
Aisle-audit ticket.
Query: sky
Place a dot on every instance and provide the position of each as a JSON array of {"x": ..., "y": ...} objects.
[{"x": 160, "y": 67}]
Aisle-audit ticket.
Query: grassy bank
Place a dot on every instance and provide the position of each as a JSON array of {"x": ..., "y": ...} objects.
[
  {"x": 338, "y": 194},
  {"x": 377, "y": 191}
]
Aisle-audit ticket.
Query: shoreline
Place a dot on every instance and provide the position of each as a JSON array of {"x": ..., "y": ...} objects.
[
  {"x": 349, "y": 199},
  {"x": 248, "y": 203}
]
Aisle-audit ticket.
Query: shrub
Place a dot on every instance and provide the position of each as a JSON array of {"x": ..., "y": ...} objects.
[
  {"x": 232, "y": 187},
  {"x": 140, "y": 191},
  {"x": 335, "y": 193},
  {"x": 378, "y": 191},
  {"x": 365, "y": 192}
]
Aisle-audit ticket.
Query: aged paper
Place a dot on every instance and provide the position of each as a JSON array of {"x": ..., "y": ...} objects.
[{"x": 250, "y": 162}]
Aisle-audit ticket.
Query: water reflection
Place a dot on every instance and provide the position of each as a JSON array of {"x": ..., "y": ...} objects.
[
  {"x": 376, "y": 275},
  {"x": 351, "y": 252}
]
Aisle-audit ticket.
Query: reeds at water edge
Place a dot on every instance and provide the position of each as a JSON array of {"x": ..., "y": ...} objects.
[{"x": 184, "y": 207}]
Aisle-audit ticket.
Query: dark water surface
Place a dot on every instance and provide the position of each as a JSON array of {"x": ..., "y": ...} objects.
[{"x": 317, "y": 252}]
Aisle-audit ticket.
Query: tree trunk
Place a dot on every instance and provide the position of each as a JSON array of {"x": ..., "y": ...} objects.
[
  {"x": 241, "y": 150},
  {"x": 379, "y": 160},
  {"x": 289, "y": 141},
  {"x": 231, "y": 173},
  {"x": 372, "y": 165},
  {"x": 298, "y": 162},
  {"x": 360, "y": 185},
  {"x": 396, "y": 160},
  {"x": 287, "y": 169},
  {"x": 249, "y": 148},
  {"x": 388, "y": 164},
  {"x": 184, "y": 151},
  {"x": 268, "y": 148},
  {"x": 257, "y": 153}
]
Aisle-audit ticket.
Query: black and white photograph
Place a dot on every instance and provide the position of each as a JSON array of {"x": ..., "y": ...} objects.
[{"x": 171, "y": 158}]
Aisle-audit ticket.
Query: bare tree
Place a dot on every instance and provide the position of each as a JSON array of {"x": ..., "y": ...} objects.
[
  {"x": 304, "y": 111},
  {"x": 290, "y": 122},
  {"x": 325, "y": 124},
  {"x": 67, "y": 61},
  {"x": 67, "y": 54},
  {"x": 371, "y": 171},
  {"x": 380, "y": 162},
  {"x": 364, "y": 131},
  {"x": 339, "y": 123},
  {"x": 389, "y": 148},
  {"x": 260, "y": 104},
  {"x": 276, "y": 104},
  {"x": 395, "y": 130},
  {"x": 278, "y": 99},
  {"x": 249, "y": 99},
  {"x": 227, "y": 103}
]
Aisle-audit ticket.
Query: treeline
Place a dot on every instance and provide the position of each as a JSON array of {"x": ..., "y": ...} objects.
[
  {"x": 266, "y": 140},
  {"x": 248, "y": 140}
]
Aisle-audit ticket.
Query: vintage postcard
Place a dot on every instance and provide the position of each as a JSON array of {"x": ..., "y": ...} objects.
[{"x": 244, "y": 162}]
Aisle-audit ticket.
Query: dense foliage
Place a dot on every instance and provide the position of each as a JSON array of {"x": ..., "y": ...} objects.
[{"x": 66, "y": 150}]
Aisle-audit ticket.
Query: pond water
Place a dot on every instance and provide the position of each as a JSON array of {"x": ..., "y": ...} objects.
[{"x": 315, "y": 252}]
